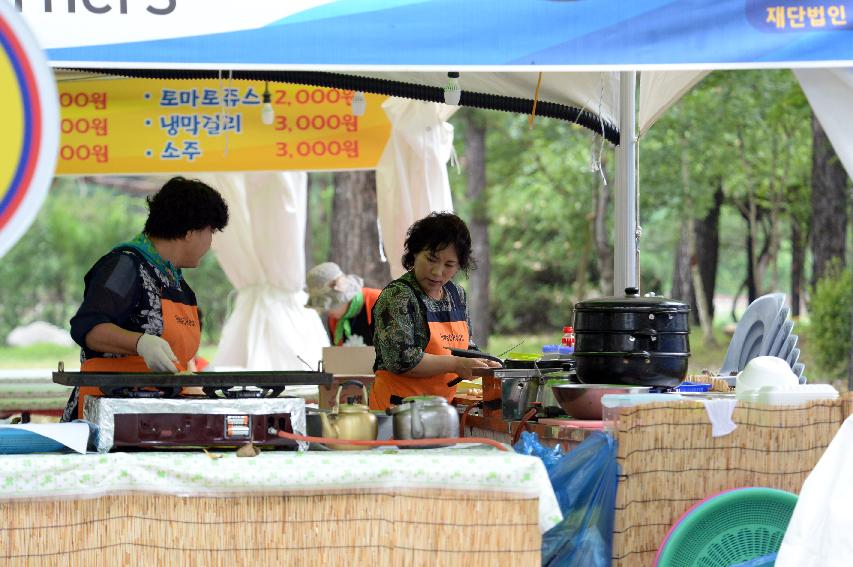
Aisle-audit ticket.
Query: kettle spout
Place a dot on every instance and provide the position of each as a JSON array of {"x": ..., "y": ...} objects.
[{"x": 330, "y": 429}]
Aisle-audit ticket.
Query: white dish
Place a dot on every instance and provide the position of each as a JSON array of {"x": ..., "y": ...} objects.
[
  {"x": 786, "y": 349},
  {"x": 749, "y": 333},
  {"x": 798, "y": 369},
  {"x": 791, "y": 395},
  {"x": 793, "y": 357},
  {"x": 783, "y": 334},
  {"x": 773, "y": 330},
  {"x": 764, "y": 371}
]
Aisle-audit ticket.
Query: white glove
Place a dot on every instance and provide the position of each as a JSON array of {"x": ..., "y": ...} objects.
[{"x": 157, "y": 353}]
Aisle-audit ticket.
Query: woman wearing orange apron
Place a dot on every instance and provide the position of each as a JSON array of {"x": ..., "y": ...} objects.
[
  {"x": 423, "y": 314},
  {"x": 138, "y": 313}
]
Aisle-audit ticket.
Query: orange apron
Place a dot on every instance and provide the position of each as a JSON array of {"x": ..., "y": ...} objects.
[
  {"x": 181, "y": 329},
  {"x": 446, "y": 329}
]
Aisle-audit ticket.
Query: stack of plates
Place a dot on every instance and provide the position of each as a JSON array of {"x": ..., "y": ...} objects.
[{"x": 764, "y": 330}]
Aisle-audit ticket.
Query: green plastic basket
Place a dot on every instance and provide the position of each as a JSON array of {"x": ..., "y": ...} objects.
[{"x": 738, "y": 527}]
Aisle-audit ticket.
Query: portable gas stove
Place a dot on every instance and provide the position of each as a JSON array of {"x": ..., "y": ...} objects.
[
  {"x": 243, "y": 384},
  {"x": 147, "y": 409}
]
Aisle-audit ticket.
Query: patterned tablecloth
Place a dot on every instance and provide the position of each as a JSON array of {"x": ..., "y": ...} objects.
[{"x": 62, "y": 476}]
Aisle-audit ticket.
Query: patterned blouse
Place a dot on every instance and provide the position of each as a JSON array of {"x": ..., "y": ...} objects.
[{"x": 401, "y": 332}]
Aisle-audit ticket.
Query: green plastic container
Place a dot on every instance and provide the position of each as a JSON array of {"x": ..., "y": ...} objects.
[{"x": 738, "y": 527}]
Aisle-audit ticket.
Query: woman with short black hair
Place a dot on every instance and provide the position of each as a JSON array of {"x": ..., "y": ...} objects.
[
  {"x": 421, "y": 315},
  {"x": 138, "y": 313}
]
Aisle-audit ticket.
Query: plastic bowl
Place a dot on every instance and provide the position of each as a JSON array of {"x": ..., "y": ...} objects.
[
  {"x": 765, "y": 371},
  {"x": 583, "y": 401}
]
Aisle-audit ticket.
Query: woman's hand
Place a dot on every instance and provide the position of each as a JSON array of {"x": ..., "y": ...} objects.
[{"x": 464, "y": 366}]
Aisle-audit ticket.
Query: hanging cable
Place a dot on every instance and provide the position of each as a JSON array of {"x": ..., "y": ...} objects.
[{"x": 390, "y": 88}]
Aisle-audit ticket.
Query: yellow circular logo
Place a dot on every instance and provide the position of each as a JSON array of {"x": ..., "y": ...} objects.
[{"x": 30, "y": 136}]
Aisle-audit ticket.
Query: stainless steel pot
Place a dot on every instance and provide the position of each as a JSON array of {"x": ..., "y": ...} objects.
[
  {"x": 425, "y": 417},
  {"x": 518, "y": 389}
]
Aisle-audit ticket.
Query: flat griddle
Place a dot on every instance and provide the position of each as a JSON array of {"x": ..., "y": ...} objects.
[{"x": 259, "y": 379}]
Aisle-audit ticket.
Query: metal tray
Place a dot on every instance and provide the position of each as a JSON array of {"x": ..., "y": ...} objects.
[{"x": 261, "y": 379}]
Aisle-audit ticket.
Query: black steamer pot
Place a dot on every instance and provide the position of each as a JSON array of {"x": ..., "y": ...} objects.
[{"x": 632, "y": 340}]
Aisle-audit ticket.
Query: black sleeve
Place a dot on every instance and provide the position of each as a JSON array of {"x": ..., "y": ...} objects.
[{"x": 112, "y": 291}]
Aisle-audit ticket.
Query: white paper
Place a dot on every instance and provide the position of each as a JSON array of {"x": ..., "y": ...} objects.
[{"x": 75, "y": 436}]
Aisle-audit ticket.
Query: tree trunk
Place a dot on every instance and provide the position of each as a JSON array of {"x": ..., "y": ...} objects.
[
  {"x": 682, "y": 285},
  {"x": 479, "y": 304},
  {"x": 707, "y": 249},
  {"x": 603, "y": 248},
  {"x": 700, "y": 305},
  {"x": 751, "y": 286},
  {"x": 355, "y": 233},
  {"x": 798, "y": 256},
  {"x": 829, "y": 202}
]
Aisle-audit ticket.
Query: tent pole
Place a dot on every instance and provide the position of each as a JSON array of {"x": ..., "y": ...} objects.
[{"x": 625, "y": 269}]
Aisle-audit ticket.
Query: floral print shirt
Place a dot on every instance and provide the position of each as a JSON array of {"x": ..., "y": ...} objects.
[{"x": 401, "y": 332}]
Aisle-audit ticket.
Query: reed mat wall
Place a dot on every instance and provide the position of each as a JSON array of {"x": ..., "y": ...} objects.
[
  {"x": 390, "y": 528},
  {"x": 668, "y": 461}
]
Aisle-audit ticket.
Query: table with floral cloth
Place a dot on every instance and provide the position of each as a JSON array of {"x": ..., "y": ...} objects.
[{"x": 471, "y": 506}]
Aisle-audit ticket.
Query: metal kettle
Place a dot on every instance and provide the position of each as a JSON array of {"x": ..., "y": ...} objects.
[
  {"x": 425, "y": 417},
  {"x": 349, "y": 421}
]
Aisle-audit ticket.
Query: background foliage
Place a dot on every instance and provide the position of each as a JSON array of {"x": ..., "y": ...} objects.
[{"x": 748, "y": 132}]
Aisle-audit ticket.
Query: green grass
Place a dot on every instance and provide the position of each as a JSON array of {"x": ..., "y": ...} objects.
[
  {"x": 39, "y": 356},
  {"x": 49, "y": 356}
]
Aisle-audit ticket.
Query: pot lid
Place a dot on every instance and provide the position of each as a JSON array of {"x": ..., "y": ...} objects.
[
  {"x": 632, "y": 301},
  {"x": 353, "y": 408}
]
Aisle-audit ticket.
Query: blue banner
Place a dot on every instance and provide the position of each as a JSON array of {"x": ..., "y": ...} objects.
[{"x": 458, "y": 33}]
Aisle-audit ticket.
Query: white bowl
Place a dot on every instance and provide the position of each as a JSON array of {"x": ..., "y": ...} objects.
[{"x": 765, "y": 371}]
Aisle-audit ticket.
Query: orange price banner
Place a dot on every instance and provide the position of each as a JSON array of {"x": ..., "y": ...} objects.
[{"x": 135, "y": 126}]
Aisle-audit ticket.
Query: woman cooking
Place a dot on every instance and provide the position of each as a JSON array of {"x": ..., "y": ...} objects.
[
  {"x": 138, "y": 313},
  {"x": 423, "y": 314}
]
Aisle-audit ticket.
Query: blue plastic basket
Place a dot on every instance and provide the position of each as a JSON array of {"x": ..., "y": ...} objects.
[{"x": 692, "y": 387}]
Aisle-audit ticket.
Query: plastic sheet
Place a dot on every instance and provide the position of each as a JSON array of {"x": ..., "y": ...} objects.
[{"x": 584, "y": 481}]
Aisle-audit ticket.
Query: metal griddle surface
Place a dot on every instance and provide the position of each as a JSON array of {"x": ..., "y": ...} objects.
[{"x": 269, "y": 379}]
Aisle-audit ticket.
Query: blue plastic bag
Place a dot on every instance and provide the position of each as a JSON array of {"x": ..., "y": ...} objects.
[
  {"x": 528, "y": 444},
  {"x": 584, "y": 481}
]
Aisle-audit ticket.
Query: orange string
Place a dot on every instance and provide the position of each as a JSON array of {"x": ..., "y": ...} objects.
[{"x": 535, "y": 100}]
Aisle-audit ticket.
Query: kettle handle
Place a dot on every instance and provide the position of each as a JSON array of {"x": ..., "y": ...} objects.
[{"x": 350, "y": 383}]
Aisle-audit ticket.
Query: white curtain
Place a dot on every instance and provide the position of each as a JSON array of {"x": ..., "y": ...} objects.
[
  {"x": 829, "y": 92},
  {"x": 411, "y": 178},
  {"x": 262, "y": 253}
]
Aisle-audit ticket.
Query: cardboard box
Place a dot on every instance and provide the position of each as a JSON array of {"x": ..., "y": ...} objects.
[
  {"x": 347, "y": 363},
  {"x": 349, "y": 360}
]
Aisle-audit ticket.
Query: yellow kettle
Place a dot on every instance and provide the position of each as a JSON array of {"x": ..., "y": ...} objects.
[{"x": 349, "y": 421}]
